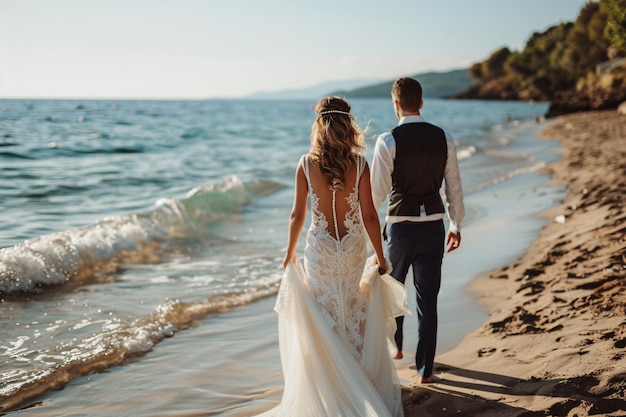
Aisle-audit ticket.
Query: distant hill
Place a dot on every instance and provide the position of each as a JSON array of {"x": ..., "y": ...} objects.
[
  {"x": 434, "y": 84},
  {"x": 314, "y": 92}
]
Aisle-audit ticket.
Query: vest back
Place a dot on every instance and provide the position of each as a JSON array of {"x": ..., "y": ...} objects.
[{"x": 419, "y": 167}]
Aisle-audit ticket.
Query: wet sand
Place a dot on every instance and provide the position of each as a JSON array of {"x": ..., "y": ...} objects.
[{"x": 554, "y": 342}]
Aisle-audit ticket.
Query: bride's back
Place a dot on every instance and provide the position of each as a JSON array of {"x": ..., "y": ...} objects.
[{"x": 343, "y": 197}]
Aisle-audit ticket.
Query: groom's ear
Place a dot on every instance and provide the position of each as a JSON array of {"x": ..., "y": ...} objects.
[{"x": 396, "y": 108}]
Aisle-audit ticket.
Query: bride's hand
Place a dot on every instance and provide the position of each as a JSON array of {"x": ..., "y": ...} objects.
[
  {"x": 382, "y": 266},
  {"x": 287, "y": 260}
]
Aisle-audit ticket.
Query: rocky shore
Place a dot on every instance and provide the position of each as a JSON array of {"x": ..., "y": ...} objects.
[{"x": 608, "y": 92}]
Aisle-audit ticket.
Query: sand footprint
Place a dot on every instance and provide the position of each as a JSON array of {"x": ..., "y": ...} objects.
[{"x": 486, "y": 351}]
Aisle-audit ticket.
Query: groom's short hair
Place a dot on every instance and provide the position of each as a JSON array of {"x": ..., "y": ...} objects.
[{"x": 408, "y": 92}]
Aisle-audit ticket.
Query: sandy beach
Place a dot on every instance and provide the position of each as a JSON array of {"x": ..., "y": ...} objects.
[{"x": 555, "y": 338}]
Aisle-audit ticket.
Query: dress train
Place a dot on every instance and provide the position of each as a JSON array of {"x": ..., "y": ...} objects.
[{"x": 323, "y": 376}]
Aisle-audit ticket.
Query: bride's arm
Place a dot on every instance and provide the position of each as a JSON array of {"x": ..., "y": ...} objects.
[
  {"x": 370, "y": 216},
  {"x": 298, "y": 215}
]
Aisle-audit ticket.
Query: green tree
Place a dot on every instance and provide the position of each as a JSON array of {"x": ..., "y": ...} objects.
[
  {"x": 615, "y": 29},
  {"x": 476, "y": 71},
  {"x": 586, "y": 39},
  {"x": 494, "y": 66},
  {"x": 556, "y": 59}
]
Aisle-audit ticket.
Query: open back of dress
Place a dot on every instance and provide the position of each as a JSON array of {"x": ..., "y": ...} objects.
[{"x": 336, "y": 249}]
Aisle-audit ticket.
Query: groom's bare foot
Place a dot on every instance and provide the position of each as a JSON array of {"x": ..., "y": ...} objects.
[{"x": 398, "y": 355}]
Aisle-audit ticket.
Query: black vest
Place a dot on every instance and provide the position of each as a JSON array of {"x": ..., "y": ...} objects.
[{"x": 418, "y": 171}]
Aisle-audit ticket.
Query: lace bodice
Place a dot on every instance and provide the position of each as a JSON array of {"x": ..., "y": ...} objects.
[{"x": 334, "y": 262}]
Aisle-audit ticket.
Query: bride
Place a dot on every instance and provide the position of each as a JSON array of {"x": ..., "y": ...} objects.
[{"x": 336, "y": 315}]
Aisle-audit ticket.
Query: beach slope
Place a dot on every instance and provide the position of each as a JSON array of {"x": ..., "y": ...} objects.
[{"x": 554, "y": 343}]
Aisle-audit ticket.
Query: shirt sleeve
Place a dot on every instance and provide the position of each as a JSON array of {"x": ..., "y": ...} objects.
[
  {"x": 382, "y": 167},
  {"x": 453, "y": 187}
]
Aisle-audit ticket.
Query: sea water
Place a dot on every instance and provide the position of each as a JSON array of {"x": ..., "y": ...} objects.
[{"x": 142, "y": 242}]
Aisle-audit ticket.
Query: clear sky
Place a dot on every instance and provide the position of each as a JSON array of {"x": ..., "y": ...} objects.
[{"x": 231, "y": 48}]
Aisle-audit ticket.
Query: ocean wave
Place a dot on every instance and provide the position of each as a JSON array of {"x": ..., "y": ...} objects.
[
  {"x": 93, "y": 253},
  {"x": 503, "y": 154},
  {"x": 96, "y": 151},
  {"x": 114, "y": 342},
  {"x": 193, "y": 132},
  {"x": 15, "y": 155},
  {"x": 465, "y": 153},
  {"x": 51, "y": 190},
  {"x": 531, "y": 168},
  {"x": 55, "y": 149}
]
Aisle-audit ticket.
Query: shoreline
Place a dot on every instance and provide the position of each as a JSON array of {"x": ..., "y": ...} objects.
[{"x": 554, "y": 335}]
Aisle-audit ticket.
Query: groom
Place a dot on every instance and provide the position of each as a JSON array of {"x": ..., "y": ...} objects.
[{"x": 410, "y": 164}]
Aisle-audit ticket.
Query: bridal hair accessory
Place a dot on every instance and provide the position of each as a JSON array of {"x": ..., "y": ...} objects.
[{"x": 334, "y": 111}]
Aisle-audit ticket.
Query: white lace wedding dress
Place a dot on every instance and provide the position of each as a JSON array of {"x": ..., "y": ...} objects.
[{"x": 336, "y": 344}]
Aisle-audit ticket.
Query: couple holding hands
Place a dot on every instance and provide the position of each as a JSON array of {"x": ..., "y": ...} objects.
[{"x": 340, "y": 327}]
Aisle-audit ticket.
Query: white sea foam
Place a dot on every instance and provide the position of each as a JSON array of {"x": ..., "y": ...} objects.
[{"x": 465, "y": 152}]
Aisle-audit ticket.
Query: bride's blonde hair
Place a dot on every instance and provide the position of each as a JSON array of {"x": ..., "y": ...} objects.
[{"x": 336, "y": 140}]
